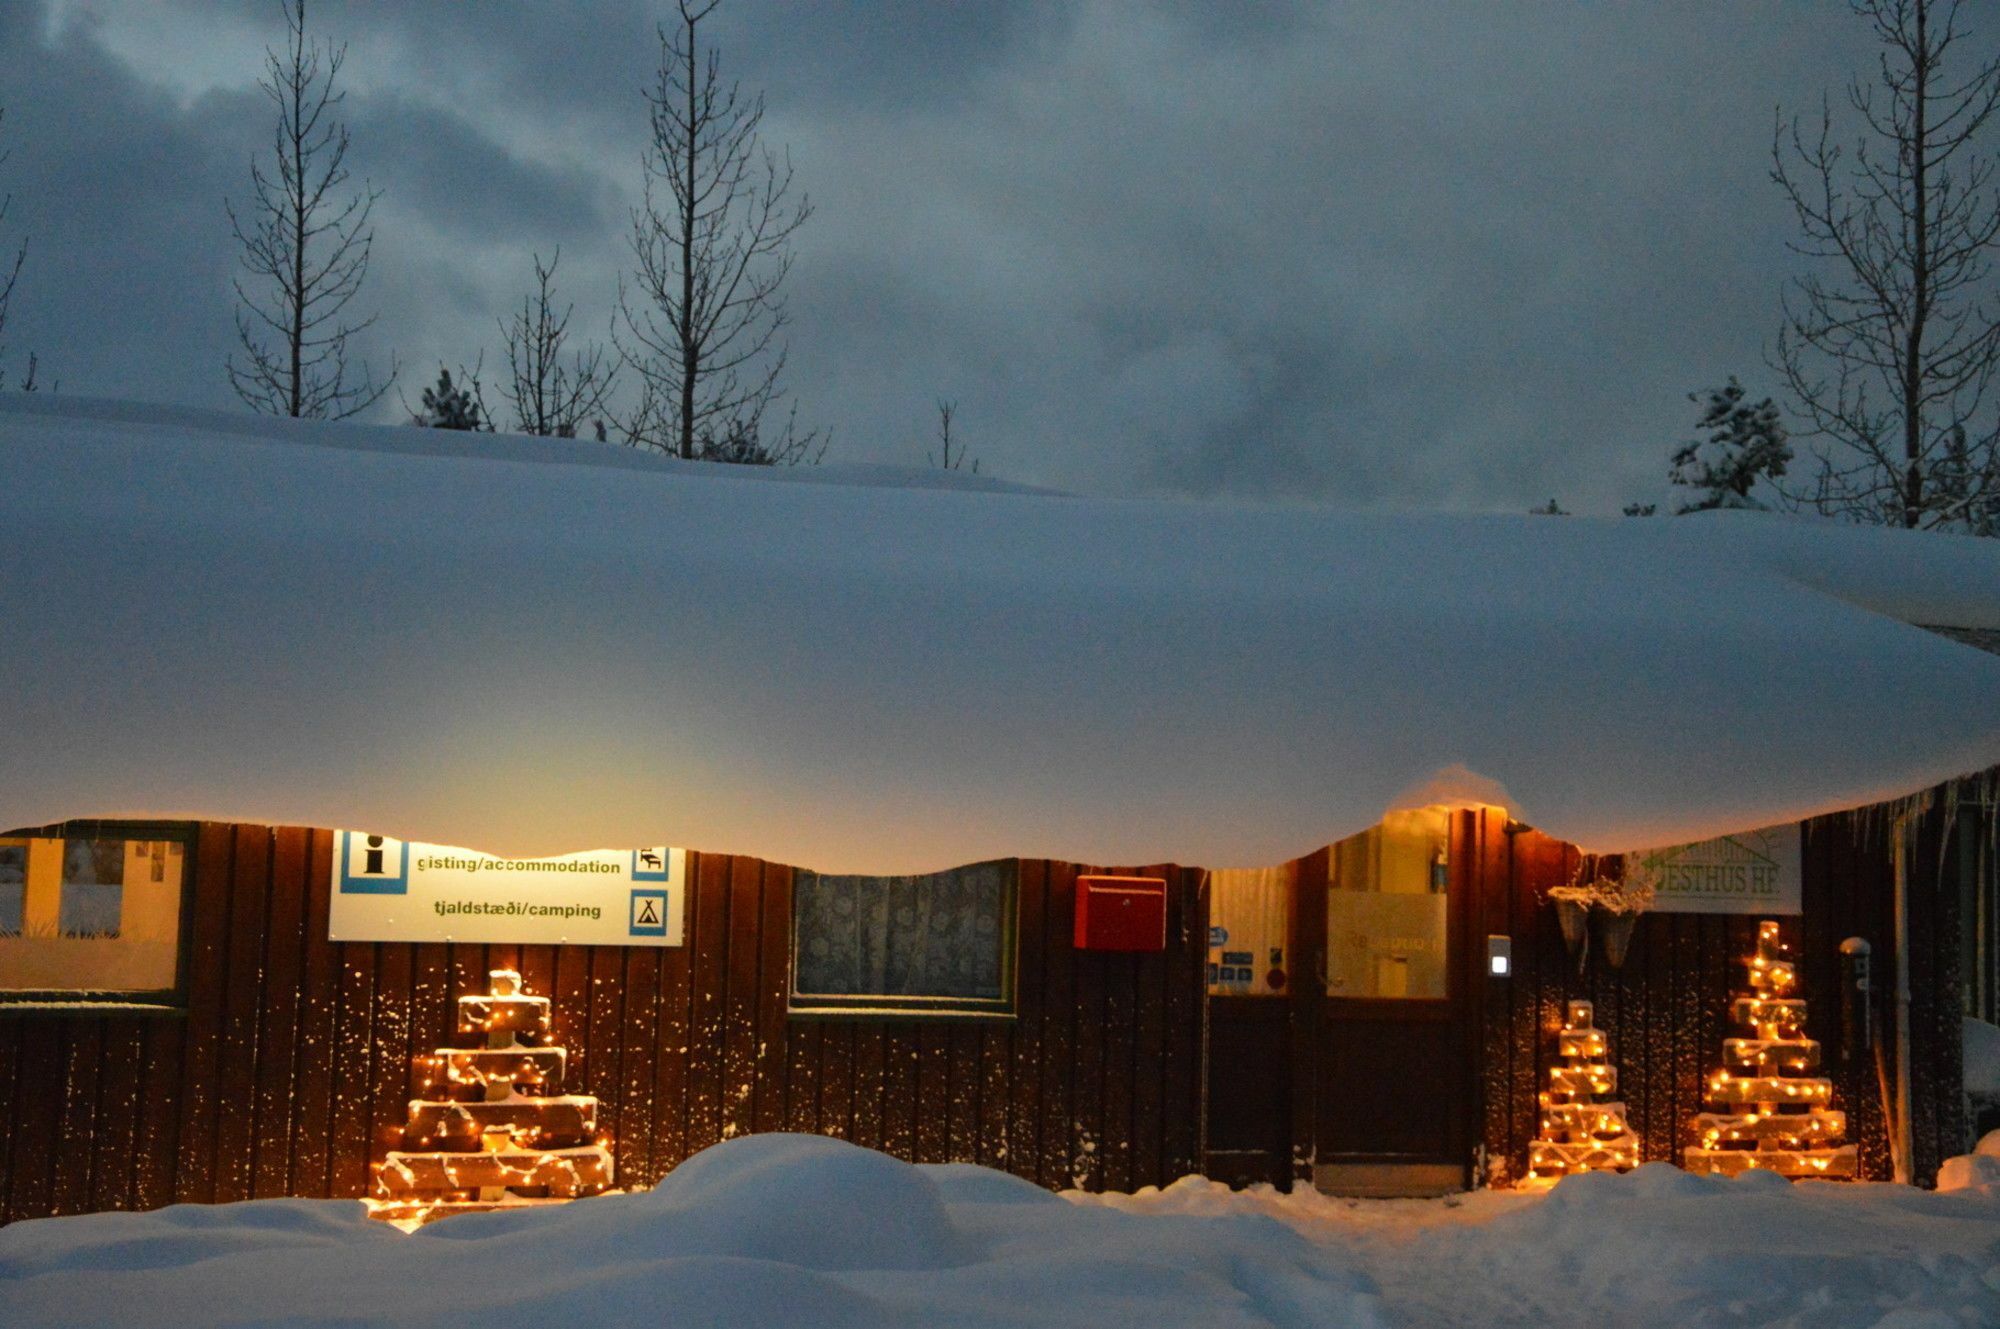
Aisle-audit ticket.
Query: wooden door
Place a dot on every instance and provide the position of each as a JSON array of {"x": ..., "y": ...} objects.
[
  {"x": 1251, "y": 984},
  {"x": 1394, "y": 1107}
]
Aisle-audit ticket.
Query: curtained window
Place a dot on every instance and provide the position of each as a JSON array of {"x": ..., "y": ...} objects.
[{"x": 939, "y": 944}]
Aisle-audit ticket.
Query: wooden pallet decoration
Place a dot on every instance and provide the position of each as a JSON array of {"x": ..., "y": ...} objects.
[
  {"x": 1772, "y": 1112},
  {"x": 491, "y": 1127},
  {"x": 1581, "y": 1131}
]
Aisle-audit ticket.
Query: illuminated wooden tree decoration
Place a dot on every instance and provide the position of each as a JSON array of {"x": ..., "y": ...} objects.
[
  {"x": 1581, "y": 1131},
  {"x": 1774, "y": 1113},
  {"x": 491, "y": 1127}
]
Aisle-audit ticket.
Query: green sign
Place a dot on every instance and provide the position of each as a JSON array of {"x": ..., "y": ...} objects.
[{"x": 1753, "y": 872}]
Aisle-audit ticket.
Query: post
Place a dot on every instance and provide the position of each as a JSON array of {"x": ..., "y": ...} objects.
[{"x": 1901, "y": 1144}]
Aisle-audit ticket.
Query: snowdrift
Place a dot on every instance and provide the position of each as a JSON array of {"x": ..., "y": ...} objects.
[
  {"x": 1656, "y": 1248},
  {"x": 800, "y": 1230},
  {"x": 534, "y": 647},
  {"x": 766, "y": 1230}
]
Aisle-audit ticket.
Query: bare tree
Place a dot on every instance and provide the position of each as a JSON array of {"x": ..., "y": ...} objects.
[
  {"x": 1889, "y": 346},
  {"x": 712, "y": 245},
  {"x": 13, "y": 274},
  {"x": 945, "y": 458},
  {"x": 552, "y": 397},
  {"x": 307, "y": 242}
]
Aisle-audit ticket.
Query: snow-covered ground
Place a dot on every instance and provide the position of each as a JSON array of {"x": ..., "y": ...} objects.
[
  {"x": 797, "y": 1230},
  {"x": 1658, "y": 1247}
]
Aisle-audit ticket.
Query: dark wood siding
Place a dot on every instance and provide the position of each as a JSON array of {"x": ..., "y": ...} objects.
[
  {"x": 290, "y": 1071},
  {"x": 1666, "y": 1010}
]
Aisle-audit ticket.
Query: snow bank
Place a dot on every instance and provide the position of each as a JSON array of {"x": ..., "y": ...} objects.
[
  {"x": 1978, "y": 1171},
  {"x": 532, "y": 647},
  {"x": 765, "y": 1230},
  {"x": 798, "y": 1230},
  {"x": 1656, "y": 1247}
]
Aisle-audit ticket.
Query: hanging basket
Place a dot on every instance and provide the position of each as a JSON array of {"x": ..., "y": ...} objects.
[
  {"x": 1614, "y": 934},
  {"x": 1573, "y": 917}
]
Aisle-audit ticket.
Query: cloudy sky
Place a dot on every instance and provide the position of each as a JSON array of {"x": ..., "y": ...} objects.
[{"x": 1460, "y": 255}]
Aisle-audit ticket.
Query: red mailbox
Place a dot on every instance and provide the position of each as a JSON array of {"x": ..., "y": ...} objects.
[{"x": 1121, "y": 914}]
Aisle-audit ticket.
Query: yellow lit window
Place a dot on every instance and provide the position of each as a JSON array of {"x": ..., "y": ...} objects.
[
  {"x": 1385, "y": 909},
  {"x": 1249, "y": 917},
  {"x": 92, "y": 912}
]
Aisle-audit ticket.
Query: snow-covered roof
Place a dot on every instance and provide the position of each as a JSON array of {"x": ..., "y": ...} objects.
[{"x": 527, "y": 646}]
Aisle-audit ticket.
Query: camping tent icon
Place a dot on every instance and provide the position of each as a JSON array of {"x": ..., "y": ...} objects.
[{"x": 649, "y": 913}]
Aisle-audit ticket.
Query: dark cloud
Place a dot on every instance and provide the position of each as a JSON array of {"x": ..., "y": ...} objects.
[
  {"x": 475, "y": 190},
  {"x": 1455, "y": 254},
  {"x": 119, "y": 194}
]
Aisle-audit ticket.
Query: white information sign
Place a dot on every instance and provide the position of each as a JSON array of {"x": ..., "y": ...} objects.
[
  {"x": 1756, "y": 872},
  {"x": 399, "y": 890}
]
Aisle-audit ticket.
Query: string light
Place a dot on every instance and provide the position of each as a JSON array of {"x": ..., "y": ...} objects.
[
  {"x": 521, "y": 1142},
  {"x": 1776, "y": 1115},
  {"x": 1579, "y": 1133}
]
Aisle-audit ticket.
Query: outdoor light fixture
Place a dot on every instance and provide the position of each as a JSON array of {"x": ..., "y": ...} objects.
[{"x": 1499, "y": 957}]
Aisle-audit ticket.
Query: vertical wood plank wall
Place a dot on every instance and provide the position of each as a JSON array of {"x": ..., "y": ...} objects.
[
  {"x": 290, "y": 1072},
  {"x": 1666, "y": 1009}
]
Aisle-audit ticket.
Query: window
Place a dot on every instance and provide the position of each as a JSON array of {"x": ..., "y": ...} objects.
[
  {"x": 941, "y": 944},
  {"x": 93, "y": 912},
  {"x": 1249, "y": 917},
  {"x": 13, "y": 885},
  {"x": 1385, "y": 909}
]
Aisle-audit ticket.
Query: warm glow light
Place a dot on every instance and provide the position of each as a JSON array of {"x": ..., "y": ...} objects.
[
  {"x": 1773, "y": 1117},
  {"x": 1577, "y": 1133},
  {"x": 503, "y": 1147}
]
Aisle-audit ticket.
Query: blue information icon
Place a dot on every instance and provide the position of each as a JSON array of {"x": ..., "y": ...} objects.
[{"x": 373, "y": 865}]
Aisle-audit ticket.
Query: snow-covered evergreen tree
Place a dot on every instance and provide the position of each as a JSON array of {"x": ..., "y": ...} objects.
[
  {"x": 1740, "y": 445},
  {"x": 452, "y": 406},
  {"x": 1966, "y": 485}
]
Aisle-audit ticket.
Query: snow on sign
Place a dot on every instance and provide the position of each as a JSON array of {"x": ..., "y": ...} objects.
[
  {"x": 399, "y": 890},
  {"x": 1753, "y": 872}
]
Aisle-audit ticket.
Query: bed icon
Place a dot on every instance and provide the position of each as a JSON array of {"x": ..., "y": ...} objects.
[{"x": 654, "y": 863}]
